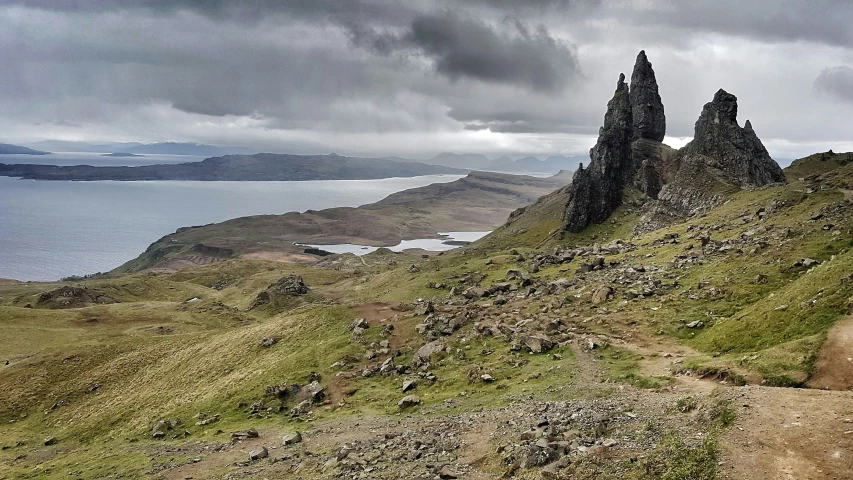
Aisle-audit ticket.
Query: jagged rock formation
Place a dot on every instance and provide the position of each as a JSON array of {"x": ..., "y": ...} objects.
[
  {"x": 646, "y": 106},
  {"x": 721, "y": 157},
  {"x": 629, "y": 154},
  {"x": 734, "y": 153},
  {"x": 628, "y": 151},
  {"x": 597, "y": 190}
]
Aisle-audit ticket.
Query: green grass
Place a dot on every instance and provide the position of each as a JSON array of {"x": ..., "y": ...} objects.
[{"x": 624, "y": 366}]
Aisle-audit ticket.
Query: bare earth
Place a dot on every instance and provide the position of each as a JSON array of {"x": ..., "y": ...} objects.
[
  {"x": 790, "y": 434},
  {"x": 834, "y": 366}
]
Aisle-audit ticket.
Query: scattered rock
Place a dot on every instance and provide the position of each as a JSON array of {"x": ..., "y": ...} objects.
[
  {"x": 409, "y": 384},
  {"x": 601, "y": 295},
  {"x": 258, "y": 454},
  {"x": 292, "y": 438},
  {"x": 243, "y": 435},
  {"x": 537, "y": 343},
  {"x": 409, "y": 401}
]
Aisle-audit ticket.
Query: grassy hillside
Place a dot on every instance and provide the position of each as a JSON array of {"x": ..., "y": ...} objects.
[{"x": 632, "y": 353}]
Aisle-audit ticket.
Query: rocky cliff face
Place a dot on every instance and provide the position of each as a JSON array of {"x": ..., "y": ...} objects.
[
  {"x": 629, "y": 153},
  {"x": 597, "y": 190},
  {"x": 649, "y": 120},
  {"x": 734, "y": 153}
]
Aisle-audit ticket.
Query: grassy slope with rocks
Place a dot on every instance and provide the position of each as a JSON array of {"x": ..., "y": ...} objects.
[{"x": 552, "y": 363}]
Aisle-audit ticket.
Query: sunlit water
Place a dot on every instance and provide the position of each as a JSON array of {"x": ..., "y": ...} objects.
[{"x": 52, "y": 229}]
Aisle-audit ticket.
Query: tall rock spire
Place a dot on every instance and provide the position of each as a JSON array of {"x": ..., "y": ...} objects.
[
  {"x": 597, "y": 190},
  {"x": 629, "y": 154},
  {"x": 646, "y": 105}
]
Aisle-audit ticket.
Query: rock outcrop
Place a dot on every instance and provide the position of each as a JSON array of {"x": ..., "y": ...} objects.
[
  {"x": 628, "y": 151},
  {"x": 281, "y": 292},
  {"x": 73, "y": 297},
  {"x": 734, "y": 154},
  {"x": 722, "y": 157},
  {"x": 597, "y": 190},
  {"x": 649, "y": 120},
  {"x": 629, "y": 154}
]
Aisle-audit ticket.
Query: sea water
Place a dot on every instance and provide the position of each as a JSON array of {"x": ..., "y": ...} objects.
[{"x": 53, "y": 229}]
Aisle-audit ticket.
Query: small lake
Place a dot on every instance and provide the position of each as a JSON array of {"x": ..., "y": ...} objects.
[
  {"x": 432, "y": 244},
  {"x": 54, "y": 229}
]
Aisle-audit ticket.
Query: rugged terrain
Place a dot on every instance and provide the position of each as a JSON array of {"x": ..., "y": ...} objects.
[
  {"x": 700, "y": 332},
  {"x": 585, "y": 357},
  {"x": 479, "y": 202},
  {"x": 258, "y": 167}
]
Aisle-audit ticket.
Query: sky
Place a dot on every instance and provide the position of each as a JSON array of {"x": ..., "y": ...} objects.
[{"x": 416, "y": 77}]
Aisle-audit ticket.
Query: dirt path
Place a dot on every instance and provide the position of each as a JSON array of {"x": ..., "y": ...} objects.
[
  {"x": 834, "y": 367},
  {"x": 588, "y": 367},
  {"x": 785, "y": 433}
]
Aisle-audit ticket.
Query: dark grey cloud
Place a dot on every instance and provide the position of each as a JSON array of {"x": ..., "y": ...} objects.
[
  {"x": 836, "y": 82},
  {"x": 408, "y": 76},
  {"x": 462, "y": 47},
  {"x": 821, "y": 21}
]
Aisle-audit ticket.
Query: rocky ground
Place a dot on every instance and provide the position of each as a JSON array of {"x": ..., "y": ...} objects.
[{"x": 716, "y": 343}]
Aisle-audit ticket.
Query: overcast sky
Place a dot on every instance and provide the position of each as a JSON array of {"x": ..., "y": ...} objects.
[{"x": 416, "y": 77}]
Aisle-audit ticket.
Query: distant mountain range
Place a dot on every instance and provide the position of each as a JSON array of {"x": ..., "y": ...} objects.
[
  {"x": 465, "y": 161},
  {"x": 258, "y": 167},
  {"x": 164, "y": 148},
  {"x": 7, "y": 149}
]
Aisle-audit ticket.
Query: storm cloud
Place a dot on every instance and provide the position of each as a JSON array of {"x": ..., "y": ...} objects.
[
  {"x": 462, "y": 47},
  {"x": 414, "y": 77}
]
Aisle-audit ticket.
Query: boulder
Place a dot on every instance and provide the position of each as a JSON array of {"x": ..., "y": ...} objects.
[
  {"x": 292, "y": 438},
  {"x": 537, "y": 343},
  {"x": 601, "y": 295},
  {"x": 258, "y": 454},
  {"x": 425, "y": 353},
  {"x": 424, "y": 308},
  {"x": 475, "y": 292},
  {"x": 409, "y": 401},
  {"x": 243, "y": 435},
  {"x": 162, "y": 426},
  {"x": 447, "y": 473},
  {"x": 409, "y": 384},
  {"x": 359, "y": 323}
]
